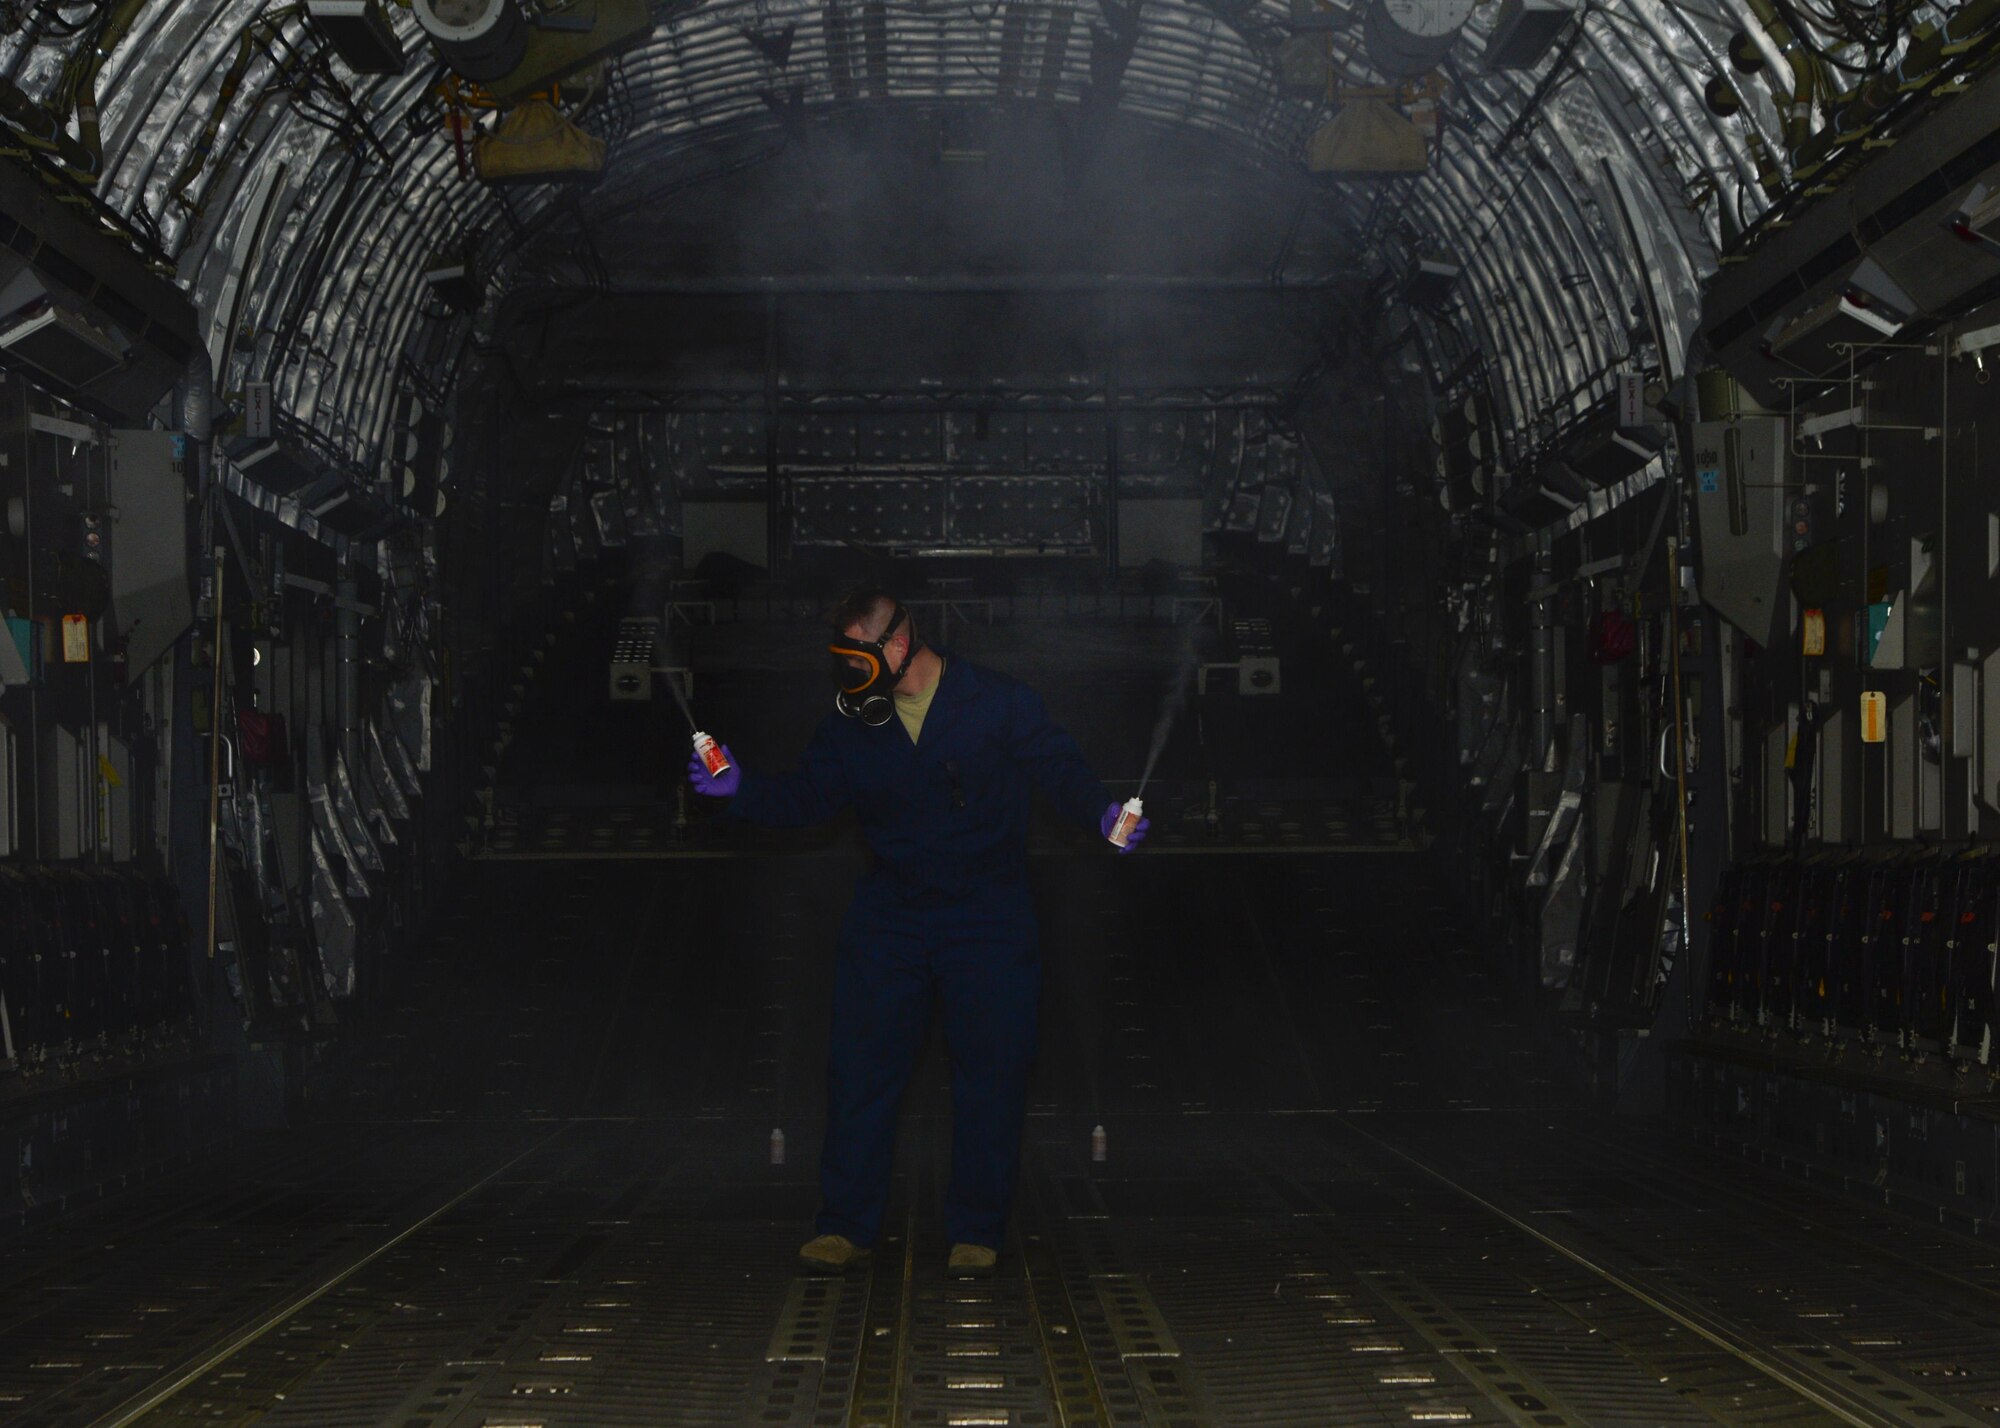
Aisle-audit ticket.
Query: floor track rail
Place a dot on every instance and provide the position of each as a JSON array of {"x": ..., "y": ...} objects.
[
  {"x": 1079, "y": 1398},
  {"x": 140, "y": 1405},
  {"x": 1880, "y": 1404}
]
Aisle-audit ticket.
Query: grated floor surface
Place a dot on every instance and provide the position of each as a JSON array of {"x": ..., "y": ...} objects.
[{"x": 1337, "y": 1187}]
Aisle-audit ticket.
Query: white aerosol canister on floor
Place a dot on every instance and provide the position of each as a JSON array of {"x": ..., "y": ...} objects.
[
  {"x": 711, "y": 755},
  {"x": 777, "y": 1147},
  {"x": 1097, "y": 1144},
  {"x": 1128, "y": 819}
]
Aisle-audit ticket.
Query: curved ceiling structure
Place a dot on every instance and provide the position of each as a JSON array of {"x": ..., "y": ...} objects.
[
  {"x": 837, "y": 259},
  {"x": 281, "y": 185}
]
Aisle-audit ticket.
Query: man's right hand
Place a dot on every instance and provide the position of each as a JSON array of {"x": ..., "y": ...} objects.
[{"x": 715, "y": 786}]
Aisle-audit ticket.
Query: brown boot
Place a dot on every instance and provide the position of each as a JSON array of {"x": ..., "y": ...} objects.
[
  {"x": 831, "y": 1254},
  {"x": 971, "y": 1262}
]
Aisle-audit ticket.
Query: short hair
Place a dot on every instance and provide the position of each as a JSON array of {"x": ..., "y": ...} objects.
[{"x": 870, "y": 607}]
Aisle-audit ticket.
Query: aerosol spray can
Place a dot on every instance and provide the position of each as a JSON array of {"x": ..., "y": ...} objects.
[
  {"x": 711, "y": 755},
  {"x": 1128, "y": 819}
]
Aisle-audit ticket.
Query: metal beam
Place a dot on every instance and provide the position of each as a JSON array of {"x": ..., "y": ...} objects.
[
  {"x": 626, "y": 394},
  {"x": 836, "y": 285}
]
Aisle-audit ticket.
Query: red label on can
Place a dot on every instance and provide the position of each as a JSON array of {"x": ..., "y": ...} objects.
[{"x": 713, "y": 757}]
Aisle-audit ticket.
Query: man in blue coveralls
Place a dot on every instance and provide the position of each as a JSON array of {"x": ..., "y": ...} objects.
[{"x": 938, "y": 758}]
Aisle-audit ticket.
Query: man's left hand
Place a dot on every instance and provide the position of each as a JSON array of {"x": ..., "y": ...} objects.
[
  {"x": 1132, "y": 839},
  {"x": 708, "y": 785}
]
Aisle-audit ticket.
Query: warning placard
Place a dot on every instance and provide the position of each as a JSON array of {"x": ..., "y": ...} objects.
[
  {"x": 76, "y": 639},
  {"x": 1874, "y": 717}
]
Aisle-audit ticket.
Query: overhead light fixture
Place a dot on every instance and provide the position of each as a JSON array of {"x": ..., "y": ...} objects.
[
  {"x": 1605, "y": 457},
  {"x": 1976, "y": 342},
  {"x": 1819, "y": 426},
  {"x": 117, "y": 332},
  {"x": 1429, "y": 281},
  {"x": 1311, "y": 15},
  {"x": 1533, "y": 505},
  {"x": 1523, "y": 33},
  {"x": 1880, "y": 291},
  {"x": 1303, "y": 66},
  {"x": 342, "y": 507},
  {"x": 1562, "y": 483},
  {"x": 1979, "y": 220},
  {"x": 1847, "y": 319},
  {"x": 455, "y": 281},
  {"x": 360, "y": 34},
  {"x": 61, "y": 344},
  {"x": 274, "y": 464}
]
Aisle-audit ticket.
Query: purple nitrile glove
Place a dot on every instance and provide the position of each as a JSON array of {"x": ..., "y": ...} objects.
[
  {"x": 1132, "y": 839},
  {"x": 710, "y": 785}
]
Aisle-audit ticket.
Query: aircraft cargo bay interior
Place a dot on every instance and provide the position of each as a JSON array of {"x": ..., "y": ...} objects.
[{"x": 1136, "y": 713}]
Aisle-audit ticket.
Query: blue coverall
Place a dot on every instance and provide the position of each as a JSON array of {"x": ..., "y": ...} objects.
[{"x": 945, "y": 907}]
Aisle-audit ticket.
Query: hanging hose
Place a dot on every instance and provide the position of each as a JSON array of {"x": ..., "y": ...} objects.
[
  {"x": 247, "y": 46},
  {"x": 32, "y": 122},
  {"x": 303, "y": 73},
  {"x": 1770, "y": 177},
  {"x": 1794, "y": 107},
  {"x": 1854, "y": 113},
  {"x": 39, "y": 127},
  {"x": 84, "y": 156}
]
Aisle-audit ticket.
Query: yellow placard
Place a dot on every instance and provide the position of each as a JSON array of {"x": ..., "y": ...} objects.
[
  {"x": 1814, "y": 634},
  {"x": 76, "y": 639},
  {"x": 108, "y": 774},
  {"x": 1874, "y": 717}
]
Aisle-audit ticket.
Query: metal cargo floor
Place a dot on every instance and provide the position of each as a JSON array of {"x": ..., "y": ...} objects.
[{"x": 1338, "y": 1188}]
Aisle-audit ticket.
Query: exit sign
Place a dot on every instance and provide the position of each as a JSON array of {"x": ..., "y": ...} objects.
[
  {"x": 1631, "y": 400},
  {"x": 257, "y": 409}
]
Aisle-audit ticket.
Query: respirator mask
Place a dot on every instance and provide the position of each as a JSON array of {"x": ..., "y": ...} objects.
[{"x": 865, "y": 692}]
